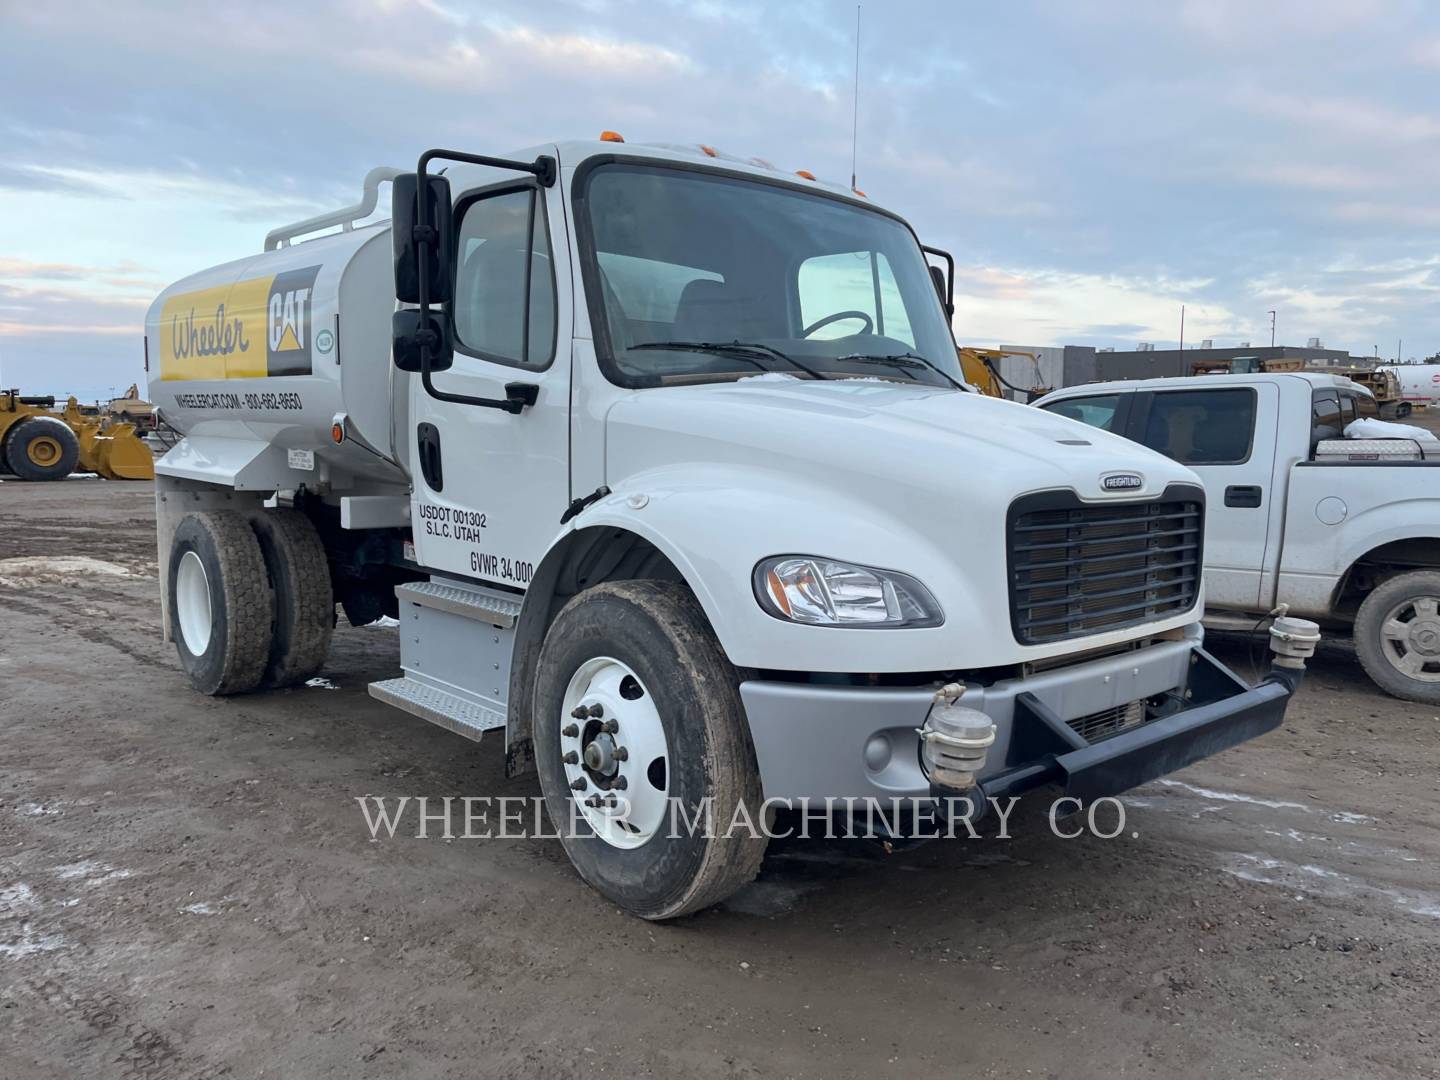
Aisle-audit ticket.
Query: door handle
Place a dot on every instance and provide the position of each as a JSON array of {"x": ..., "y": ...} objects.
[
  {"x": 427, "y": 445},
  {"x": 1245, "y": 496}
]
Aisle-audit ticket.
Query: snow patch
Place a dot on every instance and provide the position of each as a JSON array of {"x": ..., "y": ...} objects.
[
  {"x": 1231, "y": 796},
  {"x": 18, "y": 936},
  {"x": 321, "y": 683},
  {"x": 384, "y": 622},
  {"x": 35, "y": 569}
]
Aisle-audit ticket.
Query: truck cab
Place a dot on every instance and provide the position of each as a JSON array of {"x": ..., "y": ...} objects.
[
  {"x": 666, "y": 464},
  {"x": 1344, "y": 531}
]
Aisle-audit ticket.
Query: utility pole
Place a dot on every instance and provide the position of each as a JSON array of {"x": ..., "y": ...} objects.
[{"x": 1272, "y": 329}]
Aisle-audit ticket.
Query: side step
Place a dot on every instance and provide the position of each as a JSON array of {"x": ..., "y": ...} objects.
[
  {"x": 487, "y": 607},
  {"x": 450, "y": 711}
]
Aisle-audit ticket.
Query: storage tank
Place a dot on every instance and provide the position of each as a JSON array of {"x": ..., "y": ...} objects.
[
  {"x": 271, "y": 350},
  {"x": 1419, "y": 383}
]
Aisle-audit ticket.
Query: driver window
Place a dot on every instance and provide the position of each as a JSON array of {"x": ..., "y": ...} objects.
[{"x": 854, "y": 282}]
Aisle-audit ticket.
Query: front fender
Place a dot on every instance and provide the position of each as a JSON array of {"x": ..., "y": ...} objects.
[{"x": 715, "y": 523}]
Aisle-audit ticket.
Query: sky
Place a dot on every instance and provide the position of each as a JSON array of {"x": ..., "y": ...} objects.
[{"x": 1093, "y": 166}]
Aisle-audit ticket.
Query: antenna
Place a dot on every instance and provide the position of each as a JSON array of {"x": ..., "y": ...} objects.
[{"x": 855, "y": 102}]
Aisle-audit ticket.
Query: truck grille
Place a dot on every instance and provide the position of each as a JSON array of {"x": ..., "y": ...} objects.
[{"x": 1082, "y": 568}]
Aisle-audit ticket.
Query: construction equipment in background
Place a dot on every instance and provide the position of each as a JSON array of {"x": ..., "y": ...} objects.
[
  {"x": 132, "y": 409},
  {"x": 1246, "y": 365},
  {"x": 981, "y": 370},
  {"x": 1384, "y": 384},
  {"x": 37, "y": 443}
]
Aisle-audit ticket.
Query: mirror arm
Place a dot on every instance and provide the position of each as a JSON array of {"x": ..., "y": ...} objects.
[
  {"x": 949, "y": 275},
  {"x": 544, "y": 169}
]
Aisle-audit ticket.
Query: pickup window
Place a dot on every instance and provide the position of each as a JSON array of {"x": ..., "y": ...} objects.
[
  {"x": 1099, "y": 411},
  {"x": 1201, "y": 427},
  {"x": 1326, "y": 417}
]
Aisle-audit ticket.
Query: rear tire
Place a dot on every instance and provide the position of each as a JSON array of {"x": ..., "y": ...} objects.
[
  {"x": 220, "y": 602},
  {"x": 680, "y": 682},
  {"x": 304, "y": 612},
  {"x": 1397, "y": 636},
  {"x": 42, "y": 448}
]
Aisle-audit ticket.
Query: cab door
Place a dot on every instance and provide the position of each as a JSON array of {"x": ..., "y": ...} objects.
[
  {"x": 490, "y": 485},
  {"x": 1227, "y": 435}
]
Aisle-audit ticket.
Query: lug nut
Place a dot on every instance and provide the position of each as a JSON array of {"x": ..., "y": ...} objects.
[
  {"x": 570, "y": 731},
  {"x": 620, "y": 783},
  {"x": 580, "y": 784},
  {"x": 611, "y": 802},
  {"x": 572, "y": 758},
  {"x": 610, "y": 726},
  {"x": 597, "y": 711},
  {"x": 580, "y": 712},
  {"x": 621, "y": 754}
]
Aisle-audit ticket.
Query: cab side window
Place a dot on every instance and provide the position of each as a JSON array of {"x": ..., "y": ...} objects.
[
  {"x": 504, "y": 280},
  {"x": 1202, "y": 427},
  {"x": 1098, "y": 411}
]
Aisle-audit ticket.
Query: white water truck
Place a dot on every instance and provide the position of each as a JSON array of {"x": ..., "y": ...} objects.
[{"x": 665, "y": 463}]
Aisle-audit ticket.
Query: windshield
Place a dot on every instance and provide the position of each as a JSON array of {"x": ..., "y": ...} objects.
[{"x": 705, "y": 277}]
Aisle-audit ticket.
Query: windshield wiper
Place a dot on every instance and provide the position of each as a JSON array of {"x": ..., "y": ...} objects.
[
  {"x": 901, "y": 360},
  {"x": 741, "y": 350}
]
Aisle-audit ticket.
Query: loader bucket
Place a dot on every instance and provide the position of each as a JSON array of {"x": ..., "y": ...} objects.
[{"x": 121, "y": 455}]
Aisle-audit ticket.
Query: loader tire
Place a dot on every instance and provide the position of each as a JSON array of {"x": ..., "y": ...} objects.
[
  {"x": 641, "y": 655},
  {"x": 1397, "y": 636},
  {"x": 42, "y": 448},
  {"x": 221, "y": 603},
  {"x": 304, "y": 612}
]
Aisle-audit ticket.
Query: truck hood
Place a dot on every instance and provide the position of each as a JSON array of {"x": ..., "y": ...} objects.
[{"x": 878, "y": 440}]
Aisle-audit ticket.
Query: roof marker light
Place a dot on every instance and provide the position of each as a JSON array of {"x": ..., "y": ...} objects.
[
  {"x": 611, "y": 136},
  {"x": 860, "y": 193},
  {"x": 708, "y": 150},
  {"x": 806, "y": 173}
]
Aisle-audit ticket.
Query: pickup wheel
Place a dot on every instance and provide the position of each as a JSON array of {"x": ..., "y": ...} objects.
[
  {"x": 639, "y": 730},
  {"x": 1397, "y": 636},
  {"x": 220, "y": 602},
  {"x": 304, "y": 612}
]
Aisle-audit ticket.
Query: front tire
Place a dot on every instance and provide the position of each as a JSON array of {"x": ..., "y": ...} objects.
[
  {"x": 636, "y": 662},
  {"x": 220, "y": 602},
  {"x": 1397, "y": 636},
  {"x": 42, "y": 448}
]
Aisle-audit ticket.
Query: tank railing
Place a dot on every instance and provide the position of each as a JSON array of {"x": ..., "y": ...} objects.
[{"x": 346, "y": 218}]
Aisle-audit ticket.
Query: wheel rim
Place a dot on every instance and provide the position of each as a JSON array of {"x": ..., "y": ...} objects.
[
  {"x": 614, "y": 751},
  {"x": 43, "y": 451},
  {"x": 1410, "y": 638},
  {"x": 192, "y": 603}
]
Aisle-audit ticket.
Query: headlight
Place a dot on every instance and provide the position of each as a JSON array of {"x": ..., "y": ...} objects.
[{"x": 822, "y": 592}]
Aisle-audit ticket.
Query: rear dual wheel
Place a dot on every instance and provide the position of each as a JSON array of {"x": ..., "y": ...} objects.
[
  {"x": 249, "y": 599},
  {"x": 640, "y": 734}
]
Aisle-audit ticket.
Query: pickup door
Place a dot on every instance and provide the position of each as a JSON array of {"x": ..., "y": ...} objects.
[{"x": 1227, "y": 435}]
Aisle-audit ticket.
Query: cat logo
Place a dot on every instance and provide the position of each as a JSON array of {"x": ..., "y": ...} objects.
[{"x": 287, "y": 322}]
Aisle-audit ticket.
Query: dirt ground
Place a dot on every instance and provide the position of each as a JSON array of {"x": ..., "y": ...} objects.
[{"x": 187, "y": 889}]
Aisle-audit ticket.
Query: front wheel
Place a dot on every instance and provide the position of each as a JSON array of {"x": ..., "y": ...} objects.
[
  {"x": 643, "y": 750},
  {"x": 1397, "y": 636}
]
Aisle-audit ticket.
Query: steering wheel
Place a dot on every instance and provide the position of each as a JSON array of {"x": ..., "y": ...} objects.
[{"x": 820, "y": 324}]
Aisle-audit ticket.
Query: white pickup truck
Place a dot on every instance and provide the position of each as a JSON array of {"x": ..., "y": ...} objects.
[{"x": 1345, "y": 532}]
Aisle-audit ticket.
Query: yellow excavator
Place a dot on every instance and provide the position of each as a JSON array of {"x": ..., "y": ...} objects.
[
  {"x": 981, "y": 369},
  {"x": 38, "y": 443}
]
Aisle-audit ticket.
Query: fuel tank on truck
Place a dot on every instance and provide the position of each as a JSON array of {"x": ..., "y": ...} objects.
[{"x": 258, "y": 360}]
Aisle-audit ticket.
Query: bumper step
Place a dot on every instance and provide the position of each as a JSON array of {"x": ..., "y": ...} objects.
[{"x": 450, "y": 711}]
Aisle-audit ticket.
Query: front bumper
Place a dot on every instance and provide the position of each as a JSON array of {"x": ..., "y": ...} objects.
[{"x": 816, "y": 742}]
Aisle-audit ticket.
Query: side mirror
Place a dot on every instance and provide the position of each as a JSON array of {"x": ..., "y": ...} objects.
[
  {"x": 439, "y": 236},
  {"x": 938, "y": 276},
  {"x": 408, "y": 335}
]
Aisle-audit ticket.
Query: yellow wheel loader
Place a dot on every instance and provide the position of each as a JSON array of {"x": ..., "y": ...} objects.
[
  {"x": 37, "y": 443},
  {"x": 982, "y": 371}
]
